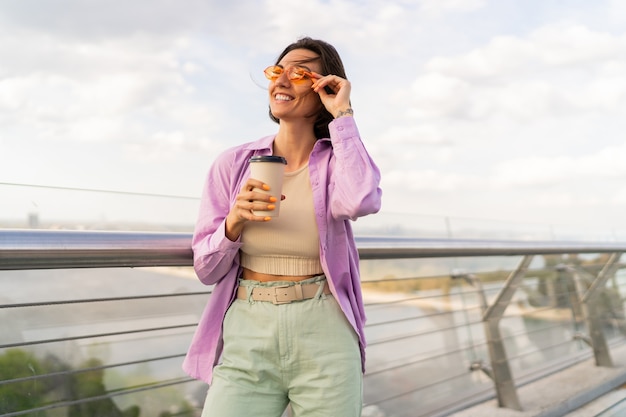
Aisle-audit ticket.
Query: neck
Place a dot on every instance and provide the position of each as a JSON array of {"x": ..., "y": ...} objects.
[{"x": 294, "y": 142}]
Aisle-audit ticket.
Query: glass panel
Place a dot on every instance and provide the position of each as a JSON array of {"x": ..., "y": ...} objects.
[
  {"x": 124, "y": 332},
  {"x": 70, "y": 335}
]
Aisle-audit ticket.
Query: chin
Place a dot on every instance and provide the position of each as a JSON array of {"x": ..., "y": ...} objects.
[{"x": 280, "y": 114}]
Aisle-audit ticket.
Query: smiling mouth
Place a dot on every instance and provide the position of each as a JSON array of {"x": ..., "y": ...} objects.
[{"x": 282, "y": 97}]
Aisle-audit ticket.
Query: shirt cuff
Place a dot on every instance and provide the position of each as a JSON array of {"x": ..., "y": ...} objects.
[{"x": 343, "y": 127}]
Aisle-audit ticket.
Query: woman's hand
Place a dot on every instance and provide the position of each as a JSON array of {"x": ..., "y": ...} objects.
[
  {"x": 248, "y": 200},
  {"x": 339, "y": 100}
]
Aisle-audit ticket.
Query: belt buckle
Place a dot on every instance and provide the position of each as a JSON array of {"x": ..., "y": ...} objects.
[{"x": 276, "y": 301}]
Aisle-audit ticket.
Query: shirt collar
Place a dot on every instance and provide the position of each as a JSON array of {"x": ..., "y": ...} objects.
[{"x": 264, "y": 145}]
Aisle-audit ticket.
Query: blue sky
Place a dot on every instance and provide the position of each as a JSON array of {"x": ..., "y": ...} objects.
[{"x": 508, "y": 111}]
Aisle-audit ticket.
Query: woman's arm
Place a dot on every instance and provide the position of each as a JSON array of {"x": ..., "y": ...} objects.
[
  {"x": 217, "y": 237},
  {"x": 355, "y": 182},
  {"x": 213, "y": 253},
  {"x": 354, "y": 186}
]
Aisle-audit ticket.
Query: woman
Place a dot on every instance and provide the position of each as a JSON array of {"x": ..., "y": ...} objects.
[{"x": 285, "y": 321}]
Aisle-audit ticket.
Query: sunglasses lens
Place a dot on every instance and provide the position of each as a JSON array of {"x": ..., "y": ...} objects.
[
  {"x": 297, "y": 73},
  {"x": 273, "y": 72}
]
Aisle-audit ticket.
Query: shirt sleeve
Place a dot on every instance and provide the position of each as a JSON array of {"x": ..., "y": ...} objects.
[
  {"x": 213, "y": 253},
  {"x": 355, "y": 181}
]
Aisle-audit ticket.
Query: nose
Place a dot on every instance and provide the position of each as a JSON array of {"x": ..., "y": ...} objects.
[{"x": 283, "y": 79}]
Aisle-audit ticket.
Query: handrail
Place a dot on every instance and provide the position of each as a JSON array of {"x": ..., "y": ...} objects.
[
  {"x": 54, "y": 249},
  {"x": 399, "y": 247}
]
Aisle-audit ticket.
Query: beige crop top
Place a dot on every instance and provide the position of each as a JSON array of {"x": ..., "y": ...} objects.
[{"x": 287, "y": 244}]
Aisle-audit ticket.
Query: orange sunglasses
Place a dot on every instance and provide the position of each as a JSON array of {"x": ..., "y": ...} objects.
[{"x": 294, "y": 74}]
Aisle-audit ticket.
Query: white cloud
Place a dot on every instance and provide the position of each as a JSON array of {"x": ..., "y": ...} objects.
[
  {"x": 106, "y": 90},
  {"x": 504, "y": 55},
  {"x": 552, "y": 45},
  {"x": 434, "y": 95},
  {"x": 437, "y": 7},
  {"x": 428, "y": 180},
  {"x": 376, "y": 27},
  {"x": 616, "y": 11},
  {"x": 603, "y": 93},
  {"x": 619, "y": 197},
  {"x": 528, "y": 100},
  {"x": 101, "y": 19},
  {"x": 12, "y": 93},
  {"x": 542, "y": 170},
  {"x": 569, "y": 44},
  {"x": 556, "y": 70},
  {"x": 418, "y": 134}
]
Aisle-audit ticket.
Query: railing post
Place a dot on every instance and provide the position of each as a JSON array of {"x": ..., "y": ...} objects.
[
  {"x": 589, "y": 304},
  {"x": 501, "y": 371}
]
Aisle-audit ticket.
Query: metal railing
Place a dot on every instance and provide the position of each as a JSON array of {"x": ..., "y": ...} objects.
[{"x": 435, "y": 339}]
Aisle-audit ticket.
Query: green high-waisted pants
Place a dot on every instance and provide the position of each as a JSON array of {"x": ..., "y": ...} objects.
[{"x": 304, "y": 353}]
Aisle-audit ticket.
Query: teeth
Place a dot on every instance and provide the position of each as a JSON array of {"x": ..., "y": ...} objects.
[{"x": 283, "y": 97}]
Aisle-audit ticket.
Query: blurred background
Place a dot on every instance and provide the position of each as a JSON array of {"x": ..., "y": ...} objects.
[{"x": 481, "y": 114}]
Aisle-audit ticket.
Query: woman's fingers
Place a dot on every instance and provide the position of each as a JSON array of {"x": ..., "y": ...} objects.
[
  {"x": 249, "y": 199},
  {"x": 339, "y": 99},
  {"x": 334, "y": 82}
]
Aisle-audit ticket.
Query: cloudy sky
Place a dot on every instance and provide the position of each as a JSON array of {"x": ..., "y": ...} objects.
[{"x": 484, "y": 110}]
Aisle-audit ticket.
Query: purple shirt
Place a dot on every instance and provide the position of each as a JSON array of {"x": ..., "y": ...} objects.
[{"x": 345, "y": 183}]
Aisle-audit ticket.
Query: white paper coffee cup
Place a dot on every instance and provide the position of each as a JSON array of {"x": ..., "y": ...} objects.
[{"x": 270, "y": 170}]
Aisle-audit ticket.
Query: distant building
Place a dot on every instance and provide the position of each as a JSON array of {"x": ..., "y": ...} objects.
[{"x": 33, "y": 220}]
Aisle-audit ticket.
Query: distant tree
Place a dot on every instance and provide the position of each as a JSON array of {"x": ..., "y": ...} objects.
[
  {"x": 84, "y": 386},
  {"x": 90, "y": 386},
  {"x": 22, "y": 395}
]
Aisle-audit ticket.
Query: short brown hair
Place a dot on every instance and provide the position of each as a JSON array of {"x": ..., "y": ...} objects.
[{"x": 330, "y": 63}]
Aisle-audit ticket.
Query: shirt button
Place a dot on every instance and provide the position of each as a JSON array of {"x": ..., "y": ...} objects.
[{"x": 340, "y": 128}]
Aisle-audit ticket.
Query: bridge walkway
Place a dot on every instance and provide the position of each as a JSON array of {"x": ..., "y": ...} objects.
[{"x": 583, "y": 390}]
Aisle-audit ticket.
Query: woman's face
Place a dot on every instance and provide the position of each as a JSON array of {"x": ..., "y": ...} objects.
[{"x": 294, "y": 99}]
